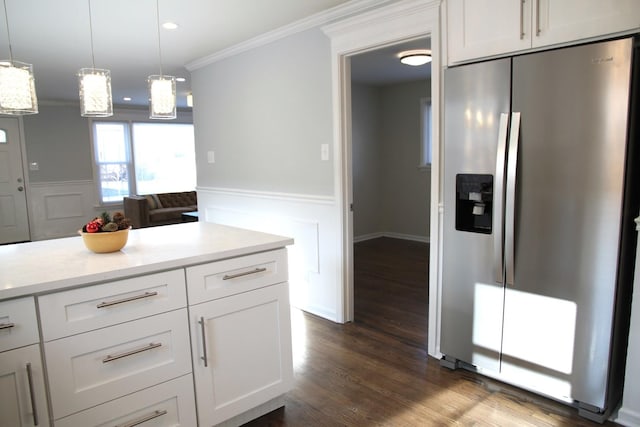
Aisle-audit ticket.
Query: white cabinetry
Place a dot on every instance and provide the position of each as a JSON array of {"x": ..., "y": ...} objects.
[
  {"x": 23, "y": 400},
  {"x": 121, "y": 338},
  {"x": 241, "y": 334},
  {"x": 477, "y": 29}
]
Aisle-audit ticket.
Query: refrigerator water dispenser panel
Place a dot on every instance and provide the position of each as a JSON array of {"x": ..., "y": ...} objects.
[{"x": 474, "y": 203}]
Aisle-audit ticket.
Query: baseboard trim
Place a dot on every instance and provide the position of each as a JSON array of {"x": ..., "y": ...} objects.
[
  {"x": 627, "y": 417},
  {"x": 364, "y": 237}
]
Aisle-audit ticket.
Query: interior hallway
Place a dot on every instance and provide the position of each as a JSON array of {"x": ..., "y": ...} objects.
[{"x": 376, "y": 372}]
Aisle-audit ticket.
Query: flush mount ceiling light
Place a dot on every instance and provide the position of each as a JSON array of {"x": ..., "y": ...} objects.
[
  {"x": 415, "y": 57},
  {"x": 162, "y": 89},
  {"x": 95, "y": 86},
  {"x": 17, "y": 84}
]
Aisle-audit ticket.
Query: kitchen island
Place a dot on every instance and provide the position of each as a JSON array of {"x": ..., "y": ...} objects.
[{"x": 127, "y": 336}]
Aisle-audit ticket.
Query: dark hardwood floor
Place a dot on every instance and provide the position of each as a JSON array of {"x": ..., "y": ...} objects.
[{"x": 376, "y": 372}]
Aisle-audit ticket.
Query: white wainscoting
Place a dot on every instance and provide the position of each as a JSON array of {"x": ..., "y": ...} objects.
[
  {"x": 310, "y": 220},
  {"x": 59, "y": 209}
]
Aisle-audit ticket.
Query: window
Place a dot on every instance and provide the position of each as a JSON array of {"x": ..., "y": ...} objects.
[
  {"x": 425, "y": 134},
  {"x": 3, "y": 136},
  {"x": 143, "y": 158}
]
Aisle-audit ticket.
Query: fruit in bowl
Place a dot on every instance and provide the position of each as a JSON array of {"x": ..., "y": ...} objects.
[{"x": 106, "y": 233}]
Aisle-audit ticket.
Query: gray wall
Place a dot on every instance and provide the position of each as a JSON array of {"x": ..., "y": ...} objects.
[
  {"x": 366, "y": 150},
  {"x": 58, "y": 139},
  {"x": 265, "y": 114},
  {"x": 391, "y": 194}
]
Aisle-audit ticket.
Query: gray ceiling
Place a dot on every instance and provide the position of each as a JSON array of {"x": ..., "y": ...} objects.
[{"x": 382, "y": 66}]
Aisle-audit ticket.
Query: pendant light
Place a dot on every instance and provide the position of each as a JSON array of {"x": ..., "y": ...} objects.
[
  {"x": 17, "y": 84},
  {"x": 162, "y": 89},
  {"x": 95, "y": 86}
]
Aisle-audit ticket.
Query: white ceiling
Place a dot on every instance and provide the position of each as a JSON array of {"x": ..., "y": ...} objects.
[{"x": 54, "y": 36}]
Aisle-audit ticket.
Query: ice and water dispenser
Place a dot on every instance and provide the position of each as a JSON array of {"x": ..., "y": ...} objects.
[{"x": 474, "y": 203}]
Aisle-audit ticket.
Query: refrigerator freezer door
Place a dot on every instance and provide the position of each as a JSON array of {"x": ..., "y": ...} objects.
[
  {"x": 559, "y": 312},
  {"x": 476, "y": 96}
]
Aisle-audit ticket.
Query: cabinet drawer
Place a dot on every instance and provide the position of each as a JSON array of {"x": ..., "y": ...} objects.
[
  {"x": 84, "y": 309},
  {"x": 167, "y": 404},
  {"x": 18, "y": 323},
  {"x": 236, "y": 275},
  {"x": 91, "y": 368}
]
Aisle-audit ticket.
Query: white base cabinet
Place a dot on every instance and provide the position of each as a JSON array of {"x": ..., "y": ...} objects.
[
  {"x": 479, "y": 29},
  {"x": 241, "y": 343},
  {"x": 112, "y": 340},
  {"x": 23, "y": 401}
]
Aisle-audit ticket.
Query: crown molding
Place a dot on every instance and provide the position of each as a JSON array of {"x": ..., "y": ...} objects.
[{"x": 322, "y": 18}]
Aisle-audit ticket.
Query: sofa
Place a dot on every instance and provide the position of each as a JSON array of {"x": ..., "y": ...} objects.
[{"x": 160, "y": 209}]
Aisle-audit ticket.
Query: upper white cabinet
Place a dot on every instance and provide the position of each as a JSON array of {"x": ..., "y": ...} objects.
[{"x": 482, "y": 28}]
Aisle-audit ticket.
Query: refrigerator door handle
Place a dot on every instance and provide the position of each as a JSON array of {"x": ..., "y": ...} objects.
[
  {"x": 510, "y": 208},
  {"x": 498, "y": 197}
]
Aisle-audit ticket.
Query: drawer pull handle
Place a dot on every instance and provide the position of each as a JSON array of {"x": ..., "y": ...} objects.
[
  {"x": 32, "y": 394},
  {"x": 128, "y": 299},
  {"x": 7, "y": 325},
  {"x": 204, "y": 341},
  {"x": 143, "y": 419},
  {"x": 246, "y": 273},
  {"x": 147, "y": 347}
]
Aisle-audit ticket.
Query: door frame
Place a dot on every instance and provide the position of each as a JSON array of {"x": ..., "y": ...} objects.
[{"x": 388, "y": 25}]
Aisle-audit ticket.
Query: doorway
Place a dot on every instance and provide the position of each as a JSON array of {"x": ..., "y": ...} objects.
[
  {"x": 14, "y": 222},
  {"x": 391, "y": 190}
]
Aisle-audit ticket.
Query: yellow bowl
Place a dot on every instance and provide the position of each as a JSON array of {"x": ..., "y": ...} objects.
[{"x": 110, "y": 241}]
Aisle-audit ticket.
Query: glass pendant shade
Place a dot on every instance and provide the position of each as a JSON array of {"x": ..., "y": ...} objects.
[
  {"x": 17, "y": 88},
  {"x": 162, "y": 97},
  {"x": 95, "y": 92}
]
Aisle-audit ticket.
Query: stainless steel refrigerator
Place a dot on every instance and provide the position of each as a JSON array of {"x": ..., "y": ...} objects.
[{"x": 540, "y": 192}]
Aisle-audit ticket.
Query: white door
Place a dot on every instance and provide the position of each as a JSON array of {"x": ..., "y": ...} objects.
[{"x": 14, "y": 223}]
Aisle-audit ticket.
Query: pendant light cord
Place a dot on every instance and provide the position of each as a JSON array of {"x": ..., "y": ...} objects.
[
  {"x": 6, "y": 20},
  {"x": 158, "y": 28},
  {"x": 93, "y": 59}
]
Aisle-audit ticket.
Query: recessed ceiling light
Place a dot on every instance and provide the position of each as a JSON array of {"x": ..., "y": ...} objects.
[
  {"x": 181, "y": 79},
  {"x": 415, "y": 57},
  {"x": 126, "y": 98},
  {"x": 170, "y": 26}
]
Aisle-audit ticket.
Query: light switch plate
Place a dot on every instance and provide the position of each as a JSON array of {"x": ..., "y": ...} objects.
[
  {"x": 324, "y": 151},
  {"x": 211, "y": 157}
]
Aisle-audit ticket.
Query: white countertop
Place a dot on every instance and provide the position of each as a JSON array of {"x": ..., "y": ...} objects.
[{"x": 49, "y": 265}]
